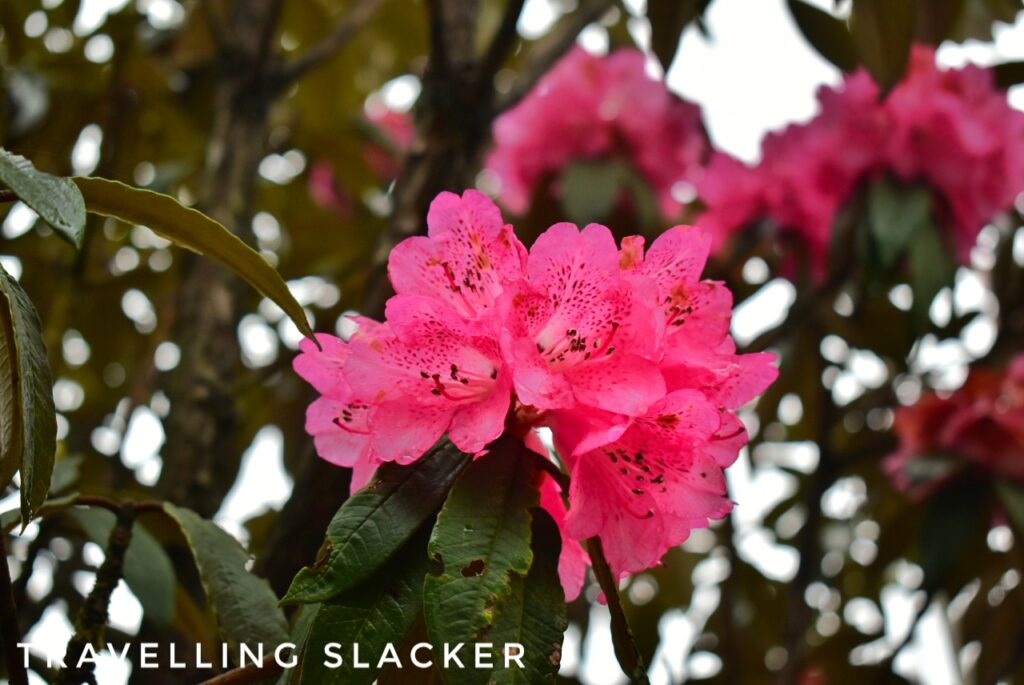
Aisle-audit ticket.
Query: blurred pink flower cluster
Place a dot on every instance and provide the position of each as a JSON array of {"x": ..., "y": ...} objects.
[
  {"x": 624, "y": 354},
  {"x": 982, "y": 423},
  {"x": 596, "y": 108},
  {"x": 951, "y": 129}
]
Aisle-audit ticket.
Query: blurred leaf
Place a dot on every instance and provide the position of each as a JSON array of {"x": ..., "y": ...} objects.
[
  {"x": 883, "y": 31},
  {"x": 590, "y": 190},
  {"x": 28, "y": 420},
  {"x": 245, "y": 606},
  {"x": 896, "y": 215},
  {"x": 480, "y": 544},
  {"x": 979, "y": 16},
  {"x": 374, "y": 616},
  {"x": 956, "y": 516},
  {"x": 936, "y": 19},
  {"x": 193, "y": 230},
  {"x": 375, "y": 522},
  {"x": 147, "y": 568},
  {"x": 1012, "y": 498},
  {"x": 56, "y": 200},
  {"x": 826, "y": 33},
  {"x": 1008, "y": 74},
  {"x": 931, "y": 269},
  {"x": 669, "y": 18},
  {"x": 535, "y": 614}
]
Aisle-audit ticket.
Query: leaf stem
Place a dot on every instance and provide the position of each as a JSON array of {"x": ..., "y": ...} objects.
[
  {"x": 9, "y": 630},
  {"x": 626, "y": 650},
  {"x": 92, "y": 618}
]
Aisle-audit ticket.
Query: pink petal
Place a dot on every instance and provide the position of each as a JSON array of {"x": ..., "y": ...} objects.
[{"x": 621, "y": 383}]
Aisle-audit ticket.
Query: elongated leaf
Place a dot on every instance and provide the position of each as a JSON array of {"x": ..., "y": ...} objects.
[
  {"x": 480, "y": 544},
  {"x": 147, "y": 568},
  {"x": 374, "y": 523},
  {"x": 669, "y": 18},
  {"x": 374, "y": 615},
  {"x": 1012, "y": 498},
  {"x": 883, "y": 31},
  {"x": 827, "y": 34},
  {"x": 56, "y": 200},
  {"x": 194, "y": 230},
  {"x": 897, "y": 215},
  {"x": 931, "y": 269},
  {"x": 535, "y": 616},
  {"x": 28, "y": 421},
  {"x": 956, "y": 516},
  {"x": 245, "y": 606}
]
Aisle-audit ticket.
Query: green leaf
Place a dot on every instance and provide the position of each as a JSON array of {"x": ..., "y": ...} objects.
[
  {"x": 896, "y": 215},
  {"x": 669, "y": 18},
  {"x": 374, "y": 615},
  {"x": 28, "y": 421},
  {"x": 193, "y": 230},
  {"x": 535, "y": 615},
  {"x": 480, "y": 545},
  {"x": 590, "y": 190},
  {"x": 147, "y": 568},
  {"x": 931, "y": 269},
  {"x": 244, "y": 605},
  {"x": 826, "y": 33},
  {"x": 56, "y": 200},
  {"x": 1009, "y": 74},
  {"x": 956, "y": 515},
  {"x": 883, "y": 31},
  {"x": 1011, "y": 496},
  {"x": 375, "y": 522},
  {"x": 936, "y": 19}
]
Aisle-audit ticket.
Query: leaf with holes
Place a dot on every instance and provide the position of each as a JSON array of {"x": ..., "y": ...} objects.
[
  {"x": 480, "y": 545},
  {"x": 191, "y": 229},
  {"x": 56, "y": 200},
  {"x": 375, "y": 522},
  {"x": 535, "y": 615},
  {"x": 28, "y": 420},
  {"x": 375, "y": 615},
  {"x": 245, "y": 606}
]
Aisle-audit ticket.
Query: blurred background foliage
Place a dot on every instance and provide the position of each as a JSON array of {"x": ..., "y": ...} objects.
[{"x": 822, "y": 576}]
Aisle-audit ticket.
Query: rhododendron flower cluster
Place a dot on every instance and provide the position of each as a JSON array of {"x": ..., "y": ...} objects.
[
  {"x": 624, "y": 354},
  {"x": 590, "y": 107},
  {"x": 951, "y": 129},
  {"x": 981, "y": 423}
]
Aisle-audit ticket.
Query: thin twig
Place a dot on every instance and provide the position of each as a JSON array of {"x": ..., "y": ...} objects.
[
  {"x": 144, "y": 507},
  {"x": 501, "y": 45},
  {"x": 8, "y": 196},
  {"x": 9, "y": 630},
  {"x": 93, "y": 616},
  {"x": 549, "y": 49},
  {"x": 626, "y": 650},
  {"x": 248, "y": 675},
  {"x": 330, "y": 44}
]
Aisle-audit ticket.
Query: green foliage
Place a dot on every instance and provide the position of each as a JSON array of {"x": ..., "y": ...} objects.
[
  {"x": 193, "y": 230},
  {"x": 669, "y": 18},
  {"x": 57, "y": 201},
  {"x": 826, "y": 33},
  {"x": 534, "y": 615},
  {"x": 883, "y": 31},
  {"x": 897, "y": 216},
  {"x": 147, "y": 568},
  {"x": 28, "y": 427},
  {"x": 376, "y": 522},
  {"x": 372, "y": 615},
  {"x": 245, "y": 606},
  {"x": 479, "y": 547}
]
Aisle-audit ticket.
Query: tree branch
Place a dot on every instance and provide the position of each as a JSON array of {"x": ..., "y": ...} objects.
[
  {"x": 330, "y": 44},
  {"x": 626, "y": 650},
  {"x": 549, "y": 49},
  {"x": 501, "y": 45},
  {"x": 92, "y": 618},
  {"x": 9, "y": 630}
]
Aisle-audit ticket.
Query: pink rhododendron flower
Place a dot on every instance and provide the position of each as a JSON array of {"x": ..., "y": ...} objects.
[
  {"x": 624, "y": 355},
  {"x": 982, "y": 423},
  {"x": 590, "y": 107},
  {"x": 953, "y": 130}
]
